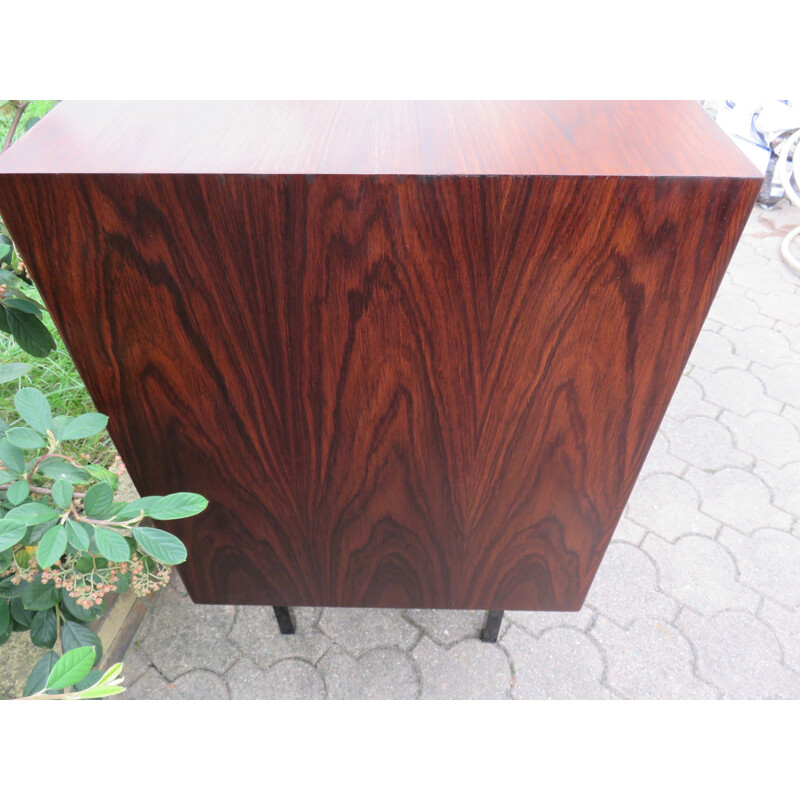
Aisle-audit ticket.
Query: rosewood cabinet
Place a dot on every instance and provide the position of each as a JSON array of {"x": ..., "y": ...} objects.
[{"x": 413, "y": 353}]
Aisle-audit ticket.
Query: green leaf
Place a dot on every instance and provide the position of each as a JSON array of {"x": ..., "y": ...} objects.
[
  {"x": 34, "y": 535},
  {"x": 11, "y": 532},
  {"x": 84, "y": 426},
  {"x": 33, "y": 407},
  {"x": 176, "y": 506},
  {"x": 101, "y": 691},
  {"x": 62, "y": 493},
  {"x": 5, "y": 249},
  {"x": 89, "y": 681},
  {"x": 57, "y": 425},
  {"x": 56, "y": 468},
  {"x": 23, "y": 304},
  {"x": 37, "y": 680},
  {"x": 12, "y": 456},
  {"x": 69, "y": 606},
  {"x": 8, "y": 589},
  {"x": 52, "y": 546},
  {"x": 98, "y": 500},
  {"x": 79, "y": 534},
  {"x": 123, "y": 582},
  {"x": 44, "y": 630},
  {"x": 5, "y": 616},
  {"x": 71, "y": 667},
  {"x": 5, "y": 559},
  {"x": 4, "y": 637},
  {"x": 30, "y": 333},
  {"x": 31, "y": 122},
  {"x": 85, "y": 563},
  {"x": 162, "y": 546},
  {"x": 33, "y": 513},
  {"x": 38, "y": 596},
  {"x": 21, "y": 614},
  {"x": 111, "y": 674},
  {"x": 25, "y": 439},
  {"x": 134, "y": 508},
  {"x": 111, "y": 544},
  {"x": 76, "y": 635},
  {"x": 11, "y": 372},
  {"x": 101, "y": 474},
  {"x": 18, "y": 492}
]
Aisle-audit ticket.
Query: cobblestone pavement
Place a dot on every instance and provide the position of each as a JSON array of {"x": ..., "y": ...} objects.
[{"x": 698, "y": 595}]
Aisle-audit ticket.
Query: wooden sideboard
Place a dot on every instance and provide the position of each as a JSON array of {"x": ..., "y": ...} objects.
[{"x": 414, "y": 354}]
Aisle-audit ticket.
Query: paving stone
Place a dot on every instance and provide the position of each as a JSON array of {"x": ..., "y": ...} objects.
[
  {"x": 784, "y": 483},
  {"x": 651, "y": 660},
  {"x": 195, "y": 685},
  {"x": 769, "y": 561},
  {"x": 361, "y": 629},
  {"x": 736, "y": 390},
  {"x": 757, "y": 272},
  {"x": 738, "y": 499},
  {"x": 470, "y": 670},
  {"x": 626, "y": 587},
  {"x": 766, "y": 435},
  {"x": 792, "y": 334},
  {"x": 699, "y": 573},
  {"x": 669, "y": 506},
  {"x": 659, "y": 459},
  {"x": 712, "y": 351},
  {"x": 783, "y": 383},
  {"x": 562, "y": 664},
  {"x": 778, "y": 305},
  {"x": 786, "y": 626},
  {"x": 706, "y": 443},
  {"x": 763, "y": 345},
  {"x": 628, "y": 531},
  {"x": 256, "y": 635},
  {"x": 740, "y": 655},
  {"x": 688, "y": 401},
  {"x": 182, "y": 636},
  {"x": 134, "y": 665},
  {"x": 792, "y": 414},
  {"x": 536, "y": 622},
  {"x": 736, "y": 311},
  {"x": 383, "y": 674},
  {"x": 448, "y": 627},
  {"x": 290, "y": 679}
]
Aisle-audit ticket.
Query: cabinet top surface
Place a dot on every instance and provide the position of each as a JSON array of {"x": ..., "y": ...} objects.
[{"x": 646, "y": 138}]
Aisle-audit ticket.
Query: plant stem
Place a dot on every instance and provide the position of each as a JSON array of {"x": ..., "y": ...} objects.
[
  {"x": 40, "y": 490},
  {"x": 52, "y": 455},
  {"x": 13, "y": 127},
  {"x": 105, "y": 523},
  {"x": 58, "y": 626}
]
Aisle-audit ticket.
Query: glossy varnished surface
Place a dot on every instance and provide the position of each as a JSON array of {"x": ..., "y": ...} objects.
[
  {"x": 412, "y": 392},
  {"x": 653, "y": 138}
]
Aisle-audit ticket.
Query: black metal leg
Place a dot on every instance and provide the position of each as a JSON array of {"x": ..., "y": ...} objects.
[
  {"x": 285, "y": 621},
  {"x": 492, "y": 626}
]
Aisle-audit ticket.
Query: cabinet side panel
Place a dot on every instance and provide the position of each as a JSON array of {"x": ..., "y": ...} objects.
[{"x": 402, "y": 392}]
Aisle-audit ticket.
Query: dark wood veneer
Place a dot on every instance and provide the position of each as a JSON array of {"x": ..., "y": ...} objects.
[{"x": 396, "y": 390}]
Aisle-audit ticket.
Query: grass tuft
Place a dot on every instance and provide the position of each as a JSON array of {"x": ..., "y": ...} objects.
[{"x": 58, "y": 379}]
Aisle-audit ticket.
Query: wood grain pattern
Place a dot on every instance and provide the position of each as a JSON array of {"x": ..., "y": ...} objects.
[
  {"x": 409, "y": 391},
  {"x": 647, "y": 138}
]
